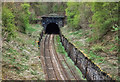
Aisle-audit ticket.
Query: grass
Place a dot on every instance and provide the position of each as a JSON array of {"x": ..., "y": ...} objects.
[
  {"x": 91, "y": 39},
  {"x": 79, "y": 34},
  {"x": 60, "y": 48},
  {"x": 30, "y": 29},
  {"x": 11, "y": 59},
  {"x": 97, "y": 48},
  {"x": 78, "y": 43},
  {"x": 113, "y": 48},
  {"x": 34, "y": 72},
  {"x": 95, "y": 58},
  {"x": 33, "y": 28},
  {"x": 14, "y": 52}
]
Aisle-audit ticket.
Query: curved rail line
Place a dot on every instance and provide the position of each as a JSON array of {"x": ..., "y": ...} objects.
[
  {"x": 49, "y": 66},
  {"x": 58, "y": 59},
  {"x": 76, "y": 77},
  {"x": 52, "y": 61}
]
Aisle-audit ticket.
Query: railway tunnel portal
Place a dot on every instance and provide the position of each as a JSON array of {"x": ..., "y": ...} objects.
[{"x": 52, "y": 23}]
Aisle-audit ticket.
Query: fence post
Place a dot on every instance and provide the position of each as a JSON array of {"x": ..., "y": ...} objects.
[{"x": 40, "y": 38}]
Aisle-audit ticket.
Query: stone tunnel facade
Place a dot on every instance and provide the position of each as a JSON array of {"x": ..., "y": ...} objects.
[{"x": 53, "y": 21}]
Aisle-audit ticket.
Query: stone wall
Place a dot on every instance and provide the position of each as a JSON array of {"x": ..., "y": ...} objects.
[
  {"x": 90, "y": 70},
  {"x": 57, "y": 20}
]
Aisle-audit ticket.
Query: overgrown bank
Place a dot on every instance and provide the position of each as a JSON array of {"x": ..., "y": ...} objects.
[
  {"x": 103, "y": 53},
  {"x": 21, "y": 57}
]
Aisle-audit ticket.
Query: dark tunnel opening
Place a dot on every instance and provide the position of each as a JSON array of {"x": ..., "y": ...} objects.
[{"x": 52, "y": 28}]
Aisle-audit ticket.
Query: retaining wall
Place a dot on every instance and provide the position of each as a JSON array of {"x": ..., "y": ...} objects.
[{"x": 90, "y": 70}]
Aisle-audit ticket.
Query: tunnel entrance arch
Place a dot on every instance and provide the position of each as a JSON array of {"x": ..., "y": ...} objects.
[
  {"x": 52, "y": 28},
  {"x": 52, "y": 23}
]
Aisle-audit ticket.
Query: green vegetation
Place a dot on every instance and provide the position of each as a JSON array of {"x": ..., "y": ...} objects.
[
  {"x": 21, "y": 57},
  {"x": 92, "y": 27},
  {"x": 78, "y": 15},
  {"x": 25, "y": 16},
  {"x": 60, "y": 48},
  {"x": 14, "y": 19},
  {"x": 95, "y": 58},
  {"x": 47, "y": 8},
  {"x": 101, "y": 17},
  {"x": 103, "y": 52},
  {"x": 97, "y": 48},
  {"x": 20, "y": 36},
  {"x": 8, "y": 23},
  {"x": 18, "y": 16},
  {"x": 105, "y": 16}
]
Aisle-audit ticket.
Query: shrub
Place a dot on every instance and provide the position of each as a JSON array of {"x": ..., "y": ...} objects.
[
  {"x": 22, "y": 17},
  {"x": 78, "y": 15},
  {"x": 105, "y": 15},
  {"x": 25, "y": 16},
  {"x": 9, "y": 28}
]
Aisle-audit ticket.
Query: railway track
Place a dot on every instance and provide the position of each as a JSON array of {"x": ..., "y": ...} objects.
[{"x": 54, "y": 64}]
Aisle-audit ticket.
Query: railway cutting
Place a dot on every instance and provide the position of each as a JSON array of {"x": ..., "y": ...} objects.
[{"x": 54, "y": 64}]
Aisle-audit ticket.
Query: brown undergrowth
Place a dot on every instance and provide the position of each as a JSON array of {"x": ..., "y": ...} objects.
[{"x": 21, "y": 57}]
